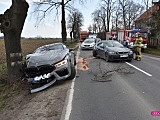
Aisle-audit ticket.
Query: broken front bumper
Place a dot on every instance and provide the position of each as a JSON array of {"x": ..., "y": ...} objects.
[{"x": 46, "y": 75}]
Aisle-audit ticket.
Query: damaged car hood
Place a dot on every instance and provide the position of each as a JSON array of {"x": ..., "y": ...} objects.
[{"x": 45, "y": 57}]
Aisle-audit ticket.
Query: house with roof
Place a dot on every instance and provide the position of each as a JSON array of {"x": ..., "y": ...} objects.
[
  {"x": 147, "y": 19},
  {"x": 150, "y": 20}
]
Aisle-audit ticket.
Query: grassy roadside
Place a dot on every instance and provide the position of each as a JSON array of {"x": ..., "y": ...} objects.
[
  {"x": 71, "y": 44},
  {"x": 3, "y": 84},
  {"x": 152, "y": 51},
  {"x": 28, "y": 46}
]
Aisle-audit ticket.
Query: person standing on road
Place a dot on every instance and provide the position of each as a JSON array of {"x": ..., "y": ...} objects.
[{"x": 137, "y": 46}]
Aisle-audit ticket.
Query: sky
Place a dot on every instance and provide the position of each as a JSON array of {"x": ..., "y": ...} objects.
[{"x": 51, "y": 26}]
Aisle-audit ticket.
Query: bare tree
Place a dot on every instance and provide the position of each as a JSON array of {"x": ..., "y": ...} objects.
[
  {"x": 147, "y": 3},
  {"x": 94, "y": 27},
  {"x": 123, "y": 7},
  {"x": 125, "y": 14},
  {"x": 75, "y": 22},
  {"x": 90, "y": 28},
  {"x": 42, "y": 11},
  {"x": 12, "y": 22},
  {"x": 97, "y": 19},
  {"x": 116, "y": 18},
  {"x": 133, "y": 10},
  {"x": 103, "y": 18},
  {"x": 108, "y": 5},
  {"x": 50, "y": 5}
]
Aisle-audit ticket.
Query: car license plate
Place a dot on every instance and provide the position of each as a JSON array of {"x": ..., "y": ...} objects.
[
  {"x": 125, "y": 55},
  {"x": 42, "y": 77}
]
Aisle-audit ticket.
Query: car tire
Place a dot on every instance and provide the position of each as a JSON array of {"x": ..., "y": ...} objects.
[
  {"x": 94, "y": 53},
  {"x": 73, "y": 72},
  {"x": 142, "y": 49},
  {"x": 106, "y": 57},
  {"x": 82, "y": 48},
  {"x": 75, "y": 60},
  {"x": 129, "y": 60}
]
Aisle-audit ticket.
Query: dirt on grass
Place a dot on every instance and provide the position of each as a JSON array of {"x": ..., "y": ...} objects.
[{"x": 45, "y": 105}]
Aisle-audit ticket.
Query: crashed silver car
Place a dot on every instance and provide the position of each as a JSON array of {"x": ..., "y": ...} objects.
[{"x": 49, "y": 63}]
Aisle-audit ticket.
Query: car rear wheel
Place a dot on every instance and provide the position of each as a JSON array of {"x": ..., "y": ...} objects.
[{"x": 73, "y": 72}]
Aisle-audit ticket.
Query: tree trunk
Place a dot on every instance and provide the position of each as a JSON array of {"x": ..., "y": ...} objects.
[
  {"x": 64, "y": 33},
  {"x": 71, "y": 35},
  {"x": 12, "y": 25}
]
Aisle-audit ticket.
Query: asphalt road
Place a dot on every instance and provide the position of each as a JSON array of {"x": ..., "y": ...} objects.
[{"x": 115, "y": 90}]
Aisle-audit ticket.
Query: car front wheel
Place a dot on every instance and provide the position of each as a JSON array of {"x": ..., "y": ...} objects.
[
  {"x": 129, "y": 60},
  {"x": 106, "y": 57},
  {"x": 94, "y": 53},
  {"x": 73, "y": 72}
]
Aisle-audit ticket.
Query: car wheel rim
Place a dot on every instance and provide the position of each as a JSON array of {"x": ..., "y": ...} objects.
[{"x": 106, "y": 57}]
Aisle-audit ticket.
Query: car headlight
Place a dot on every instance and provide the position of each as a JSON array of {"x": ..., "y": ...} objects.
[
  {"x": 92, "y": 44},
  {"x": 82, "y": 44},
  {"x": 63, "y": 62},
  {"x": 112, "y": 52},
  {"x": 131, "y": 52}
]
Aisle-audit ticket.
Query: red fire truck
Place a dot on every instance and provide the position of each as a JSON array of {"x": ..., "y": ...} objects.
[
  {"x": 83, "y": 35},
  {"x": 130, "y": 37},
  {"x": 111, "y": 35}
]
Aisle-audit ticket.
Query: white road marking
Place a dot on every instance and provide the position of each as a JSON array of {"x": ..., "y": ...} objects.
[
  {"x": 139, "y": 69},
  {"x": 70, "y": 99}
]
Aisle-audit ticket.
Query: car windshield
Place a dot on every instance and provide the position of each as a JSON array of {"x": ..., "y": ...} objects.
[
  {"x": 49, "y": 47},
  {"x": 113, "y": 43},
  {"x": 134, "y": 35},
  {"x": 89, "y": 41}
]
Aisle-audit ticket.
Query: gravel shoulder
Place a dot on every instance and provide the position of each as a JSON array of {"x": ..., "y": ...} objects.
[{"x": 45, "y": 105}]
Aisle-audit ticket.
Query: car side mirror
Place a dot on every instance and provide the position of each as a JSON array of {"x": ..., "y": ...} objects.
[{"x": 102, "y": 47}]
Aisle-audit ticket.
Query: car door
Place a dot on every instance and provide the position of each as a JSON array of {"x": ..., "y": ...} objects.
[{"x": 100, "y": 50}]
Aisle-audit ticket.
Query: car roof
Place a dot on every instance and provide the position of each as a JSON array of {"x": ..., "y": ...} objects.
[
  {"x": 104, "y": 41},
  {"x": 47, "y": 45},
  {"x": 54, "y": 44}
]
